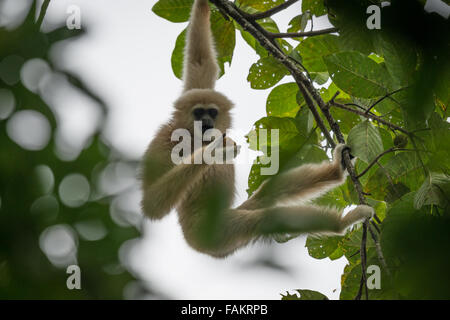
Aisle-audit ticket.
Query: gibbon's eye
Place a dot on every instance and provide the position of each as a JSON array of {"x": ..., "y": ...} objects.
[
  {"x": 213, "y": 113},
  {"x": 198, "y": 113}
]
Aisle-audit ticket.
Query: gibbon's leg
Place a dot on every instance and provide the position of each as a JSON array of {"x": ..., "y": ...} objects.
[
  {"x": 240, "y": 227},
  {"x": 200, "y": 65},
  {"x": 303, "y": 183}
]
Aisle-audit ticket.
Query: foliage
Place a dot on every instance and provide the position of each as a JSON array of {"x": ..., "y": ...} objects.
[
  {"x": 53, "y": 211},
  {"x": 399, "y": 74}
]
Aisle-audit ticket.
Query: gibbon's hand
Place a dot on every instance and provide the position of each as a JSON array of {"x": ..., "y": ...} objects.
[
  {"x": 231, "y": 146},
  {"x": 338, "y": 156},
  {"x": 226, "y": 146}
]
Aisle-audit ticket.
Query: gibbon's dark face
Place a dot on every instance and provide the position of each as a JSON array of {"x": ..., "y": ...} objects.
[{"x": 207, "y": 114}]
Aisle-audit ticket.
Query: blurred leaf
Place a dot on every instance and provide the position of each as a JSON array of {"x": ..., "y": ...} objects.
[{"x": 434, "y": 190}]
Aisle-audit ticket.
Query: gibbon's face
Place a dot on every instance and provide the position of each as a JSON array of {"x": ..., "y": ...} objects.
[
  {"x": 207, "y": 114},
  {"x": 205, "y": 105}
]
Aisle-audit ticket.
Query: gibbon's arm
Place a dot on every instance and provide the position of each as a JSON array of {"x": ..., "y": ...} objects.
[
  {"x": 200, "y": 65},
  {"x": 162, "y": 194}
]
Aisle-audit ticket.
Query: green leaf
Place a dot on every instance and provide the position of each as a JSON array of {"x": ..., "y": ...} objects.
[
  {"x": 316, "y": 7},
  {"x": 282, "y": 101},
  {"x": 304, "y": 295},
  {"x": 415, "y": 244},
  {"x": 224, "y": 38},
  {"x": 403, "y": 172},
  {"x": 261, "y": 5},
  {"x": 319, "y": 77},
  {"x": 365, "y": 141},
  {"x": 173, "y": 10},
  {"x": 299, "y": 23},
  {"x": 434, "y": 190},
  {"x": 312, "y": 50},
  {"x": 266, "y": 73},
  {"x": 286, "y": 128},
  {"x": 357, "y": 74},
  {"x": 178, "y": 55},
  {"x": 320, "y": 248},
  {"x": 399, "y": 56}
]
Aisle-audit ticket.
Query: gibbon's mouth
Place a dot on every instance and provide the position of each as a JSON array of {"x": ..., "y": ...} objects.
[{"x": 206, "y": 127}]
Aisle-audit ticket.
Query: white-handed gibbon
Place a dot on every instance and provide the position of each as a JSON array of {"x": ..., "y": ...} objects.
[{"x": 203, "y": 193}]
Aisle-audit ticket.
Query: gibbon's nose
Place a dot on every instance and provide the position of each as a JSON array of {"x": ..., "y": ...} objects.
[{"x": 207, "y": 123}]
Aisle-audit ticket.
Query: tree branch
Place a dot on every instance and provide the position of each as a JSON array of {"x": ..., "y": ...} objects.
[
  {"x": 303, "y": 34},
  {"x": 393, "y": 149},
  {"x": 382, "y": 98},
  {"x": 379, "y": 251},
  {"x": 44, "y": 8},
  {"x": 370, "y": 116}
]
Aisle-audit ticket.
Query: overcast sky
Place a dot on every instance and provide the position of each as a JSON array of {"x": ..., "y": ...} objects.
[{"x": 125, "y": 58}]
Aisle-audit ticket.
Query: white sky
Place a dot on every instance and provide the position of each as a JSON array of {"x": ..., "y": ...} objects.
[{"x": 125, "y": 58}]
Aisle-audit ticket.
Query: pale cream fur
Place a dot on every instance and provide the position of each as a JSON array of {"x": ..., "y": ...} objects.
[{"x": 203, "y": 194}]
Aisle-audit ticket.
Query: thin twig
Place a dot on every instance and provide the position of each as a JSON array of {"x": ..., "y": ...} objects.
[
  {"x": 44, "y": 8},
  {"x": 379, "y": 251},
  {"x": 371, "y": 116},
  {"x": 393, "y": 149},
  {"x": 303, "y": 34},
  {"x": 363, "y": 282},
  {"x": 382, "y": 98}
]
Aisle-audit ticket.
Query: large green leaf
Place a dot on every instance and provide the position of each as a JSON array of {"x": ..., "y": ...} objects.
[
  {"x": 266, "y": 73},
  {"x": 357, "y": 74},
  {"x": 173, "y": 10},
  {"x": 282, "y": 101},
  {"x": 313, "y": 49},
  {"x": 400, "y": 58},
  {"x": 365, "y": 141},
  {"x": 286, "y": 127},
  {"x": 403, "y": 172},
  {"x": 178, "y": 55}
]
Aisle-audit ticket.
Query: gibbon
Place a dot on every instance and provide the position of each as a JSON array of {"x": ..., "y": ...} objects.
[{"x": 203, "y": 193}]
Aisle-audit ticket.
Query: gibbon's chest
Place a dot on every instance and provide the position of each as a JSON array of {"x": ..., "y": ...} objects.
[{"x": 217, "y": 181}]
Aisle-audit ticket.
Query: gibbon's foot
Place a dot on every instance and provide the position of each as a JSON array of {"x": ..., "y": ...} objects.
[{"x": 360, "y": 213}]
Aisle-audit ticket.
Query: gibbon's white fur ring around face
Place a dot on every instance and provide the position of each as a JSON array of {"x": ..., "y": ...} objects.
[{"x": 203, "y": 193}]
